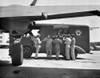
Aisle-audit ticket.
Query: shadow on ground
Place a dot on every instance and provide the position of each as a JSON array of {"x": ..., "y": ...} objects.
[{"x": 34, "y": 72}]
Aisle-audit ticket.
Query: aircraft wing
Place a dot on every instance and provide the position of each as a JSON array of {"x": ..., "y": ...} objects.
[
  {"x": 46, "y": 12},
  {"x": 72, "y": 15}
]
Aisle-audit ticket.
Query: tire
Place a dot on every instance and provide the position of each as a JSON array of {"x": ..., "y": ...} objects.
[
  {"x": 76, "y": 53},
  {"x": 16, "y": 51},
  {"x": 27, "y": 52}
]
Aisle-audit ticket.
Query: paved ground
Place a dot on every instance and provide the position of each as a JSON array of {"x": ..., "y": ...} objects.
[
  {"x": 86, "y": 61},
  {"x": 85, "y": 66}
]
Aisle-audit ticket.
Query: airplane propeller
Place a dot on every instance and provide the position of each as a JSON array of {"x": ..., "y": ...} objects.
[{"x": 33, "y": 3}]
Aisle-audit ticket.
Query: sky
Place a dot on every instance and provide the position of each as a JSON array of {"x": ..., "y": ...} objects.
[
  {"x": 50, "y": 2},
  {"x": 90, "y": 21}
]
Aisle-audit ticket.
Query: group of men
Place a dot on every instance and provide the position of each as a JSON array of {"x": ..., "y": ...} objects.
[
  {"x": 68, "y": 40},
  {"x": 57, "y": 40}
]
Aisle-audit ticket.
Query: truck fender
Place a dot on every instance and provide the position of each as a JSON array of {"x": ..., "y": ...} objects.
[{"x": 79, "y": 49}]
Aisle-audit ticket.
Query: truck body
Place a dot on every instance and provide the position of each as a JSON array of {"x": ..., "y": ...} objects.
[{"x": 81, "y": 33}]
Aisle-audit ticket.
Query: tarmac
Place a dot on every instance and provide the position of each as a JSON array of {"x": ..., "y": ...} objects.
[{"x": 85, "y": 66}]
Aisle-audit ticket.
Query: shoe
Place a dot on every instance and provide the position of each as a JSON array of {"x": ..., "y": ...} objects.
[
  {"x": 36, "y": 57},
  {"x": 57, "y": 58}
]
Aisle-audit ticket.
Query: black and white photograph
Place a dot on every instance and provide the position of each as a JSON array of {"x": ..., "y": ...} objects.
[{"x": 49, "y": 38}]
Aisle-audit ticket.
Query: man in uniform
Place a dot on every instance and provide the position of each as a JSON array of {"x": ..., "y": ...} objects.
[
  {"x": 37, "y": 43},
  {"x": 73, "y": 41},
  {"x": 67, "y": 41},
  {"x": 57, "y": 41},
  {"x": 48, "y": 41}
]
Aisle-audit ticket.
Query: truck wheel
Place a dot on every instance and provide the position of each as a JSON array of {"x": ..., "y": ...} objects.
[
  {"x": 27, "y": 52},
  {"x": 17, "y": 54},
  {"x": 76, "y": 53}
]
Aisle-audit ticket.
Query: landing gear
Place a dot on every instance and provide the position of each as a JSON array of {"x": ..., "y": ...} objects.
[{"x": 16, "y": 51}]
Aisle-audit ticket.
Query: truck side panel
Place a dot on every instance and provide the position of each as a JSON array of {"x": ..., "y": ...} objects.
[{"x": 81, "y": 34}]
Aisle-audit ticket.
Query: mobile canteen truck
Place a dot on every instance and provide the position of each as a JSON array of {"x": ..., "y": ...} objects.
[{"x": 81, "y": 33}]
